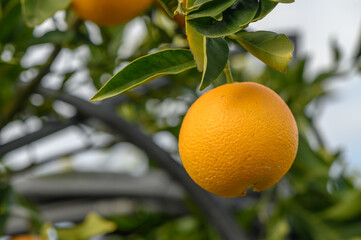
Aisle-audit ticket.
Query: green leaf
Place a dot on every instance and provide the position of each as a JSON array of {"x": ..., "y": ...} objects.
[
  {"x": 198, "y": 3},
  {"x": 283, "y": 1},
  {"x": 271, "y": 48},
  {"x": 169, "y": 6},
  {"x": 211, "y": 9},
  {"x": 347, "y": 208},
  {"x": 234, "y": 19},
  {"x": 92, "y": 226},
  {"x": 145, "y": 69},
  {"x": 37, "y": 11},
  {"x": 265, "y": 7},
  {"x": 215, "y": 60},
  {"x": 55, "y": 37},
  {"x": 195, "y": 41}
]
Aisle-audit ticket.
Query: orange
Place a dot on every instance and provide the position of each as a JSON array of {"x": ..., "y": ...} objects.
[
  {"x": 109, "y": 12},
  {"x": 238, "y": 136},
  {"x": 26, "y": 237}
]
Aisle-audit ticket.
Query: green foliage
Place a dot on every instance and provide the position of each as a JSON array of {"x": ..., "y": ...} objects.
[
  {"x": 152, "y": 66},
  {"x": 265, "y": 7},
  {"x": 37, "y": 11},
  {"x": 170, "y": 6},
  {"x": 234, "y": 19},
  {"x": 5, "y": 203},
  {"x": 219, "y": 19},
  {"x": 210, "y": 9},
  {"x": 307, "y": 204},
  {"x": 216, "y": 57},
  {"x": 271, "y": 48},
  {"x": 92, "y": 226}
]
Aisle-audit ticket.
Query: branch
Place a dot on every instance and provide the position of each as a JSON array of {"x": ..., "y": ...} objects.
[
  {"x": 61, "y": 155},
  {"x": 48, "y": 129},
  {"x": 53, "y": 127},
  {"x": 218, "y": 216}
]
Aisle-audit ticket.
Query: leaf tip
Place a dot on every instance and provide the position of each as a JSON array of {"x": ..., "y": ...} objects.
[{"x": 95, "y": 98}]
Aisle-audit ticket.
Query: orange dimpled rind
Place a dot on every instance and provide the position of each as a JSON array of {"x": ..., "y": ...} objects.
[
  {"x": 238, "y": 136},
  {"x": 109, "y": 12}
]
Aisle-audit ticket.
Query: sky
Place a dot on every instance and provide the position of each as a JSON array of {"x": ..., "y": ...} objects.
[{"x": 317, "y": 22}]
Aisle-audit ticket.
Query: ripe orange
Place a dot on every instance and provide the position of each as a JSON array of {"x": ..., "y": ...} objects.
[
  {"x": 26, "y": 237},
  {"x": 109, "y": 12},
  {"x": 238, "y": 136}
]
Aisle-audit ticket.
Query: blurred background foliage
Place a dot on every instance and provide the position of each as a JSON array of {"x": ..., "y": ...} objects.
[{"x": 315, "y": 200}]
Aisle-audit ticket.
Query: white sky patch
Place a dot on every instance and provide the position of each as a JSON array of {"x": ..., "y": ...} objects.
[{"x": 134, "y": 33}]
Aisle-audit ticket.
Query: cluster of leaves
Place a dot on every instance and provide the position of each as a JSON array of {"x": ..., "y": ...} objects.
[
  {"x": 307, "y": 204},
  {"x": 208, "y": 24}
]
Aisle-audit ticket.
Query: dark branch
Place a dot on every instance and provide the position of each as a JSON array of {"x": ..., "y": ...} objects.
[
  {"x": 61, "y": 155},
  {"x": 213, "y": 210},
  {"x": 48, "y": 129}
]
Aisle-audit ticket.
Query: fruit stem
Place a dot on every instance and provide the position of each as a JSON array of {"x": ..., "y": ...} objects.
[
  {"x": 180, "y": 8},
  {"x": 228, "y": 72}
]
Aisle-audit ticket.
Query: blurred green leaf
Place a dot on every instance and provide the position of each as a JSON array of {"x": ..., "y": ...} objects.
[
  {"x": 279, "y": 230},
  {"x": 145, "y": 69},
  {"x": 13, "y": 29},
  {"x": 336, "y": 51},
  {"x": 284, "y": 1},
  {"x": 358, "y": 49},
  {"x": 55, "y": 37},
  {"x": 37, "y": 11},
  {"x": 92, "y": 226},
  {"x": 347, "y": 208},
  {"x": 309, "y": 225},
  {"x": 211, "y": 9},
  {"x": 169, "y": 6},
  {"x": 215, "y": 59},
  {"x": 265, "y": 7},
  {"x": 271, "y": 48},
  {"x": 234, "y": 19},
  {"x": 6, "y": 195}
]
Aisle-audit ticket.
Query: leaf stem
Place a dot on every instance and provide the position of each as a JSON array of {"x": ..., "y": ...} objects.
[{"x": 228, "y": 72}]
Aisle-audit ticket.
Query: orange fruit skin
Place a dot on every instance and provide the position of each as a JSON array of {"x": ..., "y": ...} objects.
[
  {"x": 109, "y": 12},
  {"x": 238, "y": 136}
]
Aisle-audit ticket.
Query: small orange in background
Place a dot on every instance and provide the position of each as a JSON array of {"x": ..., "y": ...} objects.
[
  {"x": 109, "y": 12},
  {"x": 26, "y": 237},
  {"x": 238, "y": 136}
]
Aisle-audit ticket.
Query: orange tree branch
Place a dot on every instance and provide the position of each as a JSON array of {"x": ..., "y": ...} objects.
[{"x": 215, "y": 212}]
